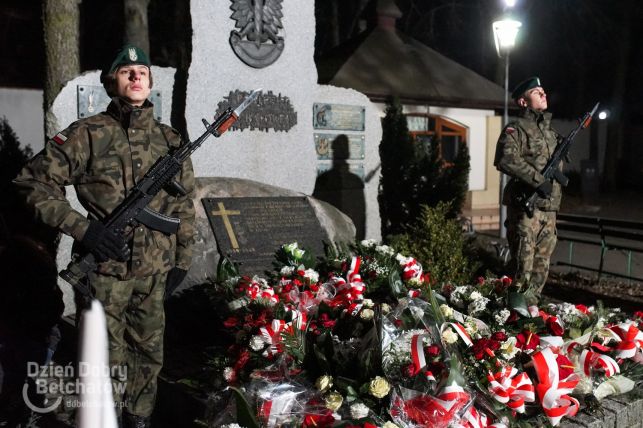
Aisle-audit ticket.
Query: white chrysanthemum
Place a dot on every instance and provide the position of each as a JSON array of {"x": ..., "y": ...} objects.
[
  {"x": 359, "y": 410},
  {"x": 478, "y": 306},
  {"x": 385, "y": 250},
  {"x": 260, "y": 281},
  {"x": 601, "y": 322},
  {"x": 399, "y": 351},
  {"x": 447, "y": 311},
  {"x": 368, "y": 243},
  {"x": 508, "y": 348},
  {"x": 257, "y": 343},
  {"x": 449, "y": 336},
  {"x": 475, "y": 295},
  {"x": 228, "y": 374},
  {"x": 502, "y": 316},
  {"x": 366, "y": 314},
  {"x": 287, "y": 270},
  {"x": 312, "y": 275}
]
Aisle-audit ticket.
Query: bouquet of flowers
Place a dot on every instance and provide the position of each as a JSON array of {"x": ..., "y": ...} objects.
[{"x": 359, "y": 338}]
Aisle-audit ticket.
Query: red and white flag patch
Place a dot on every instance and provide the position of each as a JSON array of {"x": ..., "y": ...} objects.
[
  {"x": 60, "y": 139},
  {"x": 509, "y": 130}
]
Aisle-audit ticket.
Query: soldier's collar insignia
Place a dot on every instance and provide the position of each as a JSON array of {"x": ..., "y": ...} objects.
[{"x": 132, "y": 54}]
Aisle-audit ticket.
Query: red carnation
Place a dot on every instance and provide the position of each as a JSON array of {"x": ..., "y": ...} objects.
[
  {"x": 410, "y": 370},
  {"x": 500, "y": 336},
  {"x": 432, "y": 351}
]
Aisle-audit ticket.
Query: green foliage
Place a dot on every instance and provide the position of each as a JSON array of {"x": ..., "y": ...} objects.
[
  {"x": 437, "y": 242},
  {"x": 413, "y": 174},
  {"x": 397, "y": 154}
]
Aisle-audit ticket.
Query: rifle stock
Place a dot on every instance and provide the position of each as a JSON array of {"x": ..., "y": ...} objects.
[{"x": 134, "y": 211}]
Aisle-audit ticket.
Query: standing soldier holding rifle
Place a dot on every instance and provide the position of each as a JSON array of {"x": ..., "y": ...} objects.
[
  {"x": 524, "y": 147},
  {"x": 531, "y": 153},
  {"x": 104, "y": 157}
]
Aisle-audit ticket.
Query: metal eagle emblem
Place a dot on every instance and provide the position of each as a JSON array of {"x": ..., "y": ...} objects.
[{"x": 257, "y": 42}]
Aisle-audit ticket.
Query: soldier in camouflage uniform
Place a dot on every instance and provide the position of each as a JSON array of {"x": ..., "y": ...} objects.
[
  {"x": 102, "y": 157},
  {"x": 523, "y": 149}
]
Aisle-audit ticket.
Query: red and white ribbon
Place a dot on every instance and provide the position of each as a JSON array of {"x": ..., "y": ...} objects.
[
  {"x": 552, "y": 391},
  {"x": 462, "y": 332},
  {"x": 412, "y": 269},
  {"x": 271, "y": 335},
  {"x": 590, "y": 360},
  {"x": 631, "y": 340},
  {"x": 510, "y": 389},
  {"x": 417, "y": 354},
  {"x": 299, "y": 319},
  {"x": 276, "y": 408},
  {"x": 473, "y": 418},
  {"x": 451, "y": 395}
]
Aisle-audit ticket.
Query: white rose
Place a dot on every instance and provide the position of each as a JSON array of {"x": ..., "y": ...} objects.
[
  {"x": 366, "y": 314},
  {"x": 449, "y": 336},
  {"x": 368, "y": 243},
  {"x": 368, "y": 303},
  {"x": 386, "y": 308},
  {"x": 359, "y": 410},
  {"x": 324, "y": 383},
  {"x": 390, "y": 425},
  {"x": 447, "y": 311}
]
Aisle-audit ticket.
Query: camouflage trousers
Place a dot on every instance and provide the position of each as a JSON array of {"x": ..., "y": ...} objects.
[
  {"x": 135, "y": 324},
  {"x": 532, "y": 242}
]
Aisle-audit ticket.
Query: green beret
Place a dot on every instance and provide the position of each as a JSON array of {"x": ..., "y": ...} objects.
[
  {"x": 524, "y": 86},
  {"x": 129, "y": 55}
]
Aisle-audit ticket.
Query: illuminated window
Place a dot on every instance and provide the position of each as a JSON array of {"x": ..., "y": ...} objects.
[{"x": 426, "y": 127}]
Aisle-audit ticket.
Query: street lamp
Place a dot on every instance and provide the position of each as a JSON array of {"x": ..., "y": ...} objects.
[{"x": 504, "y": 35}]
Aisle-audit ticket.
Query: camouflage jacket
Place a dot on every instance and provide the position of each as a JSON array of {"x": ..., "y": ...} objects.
[
  {"x": 523, "y": 150},
  {"x": 102, "y": 157}
]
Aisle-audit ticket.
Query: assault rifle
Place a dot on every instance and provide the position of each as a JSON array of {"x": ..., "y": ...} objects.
[
  {"x": 552, "y": 171},
  {"x": 134, "y": 210}
]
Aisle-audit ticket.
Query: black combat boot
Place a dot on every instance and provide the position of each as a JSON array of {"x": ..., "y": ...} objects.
[{"x": 135, "y": 421}]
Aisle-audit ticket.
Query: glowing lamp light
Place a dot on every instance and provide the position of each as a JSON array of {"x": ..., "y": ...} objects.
[
  {"x": 602, "y": 115},
  {"x": 505, "y": 33},
  {"x": 510, "y": 3}
]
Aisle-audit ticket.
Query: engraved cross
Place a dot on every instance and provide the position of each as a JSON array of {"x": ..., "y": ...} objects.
[{"x": 226, "y": 222}]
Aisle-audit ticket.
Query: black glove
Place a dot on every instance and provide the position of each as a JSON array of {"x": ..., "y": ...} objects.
[
  {"x": 104, "y": 244},
  {"x": 174, "y": 278},
  {"x": 544, "y": 190}
]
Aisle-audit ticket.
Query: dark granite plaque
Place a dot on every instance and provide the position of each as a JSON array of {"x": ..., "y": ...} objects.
[{"x": 250, "y": 230}]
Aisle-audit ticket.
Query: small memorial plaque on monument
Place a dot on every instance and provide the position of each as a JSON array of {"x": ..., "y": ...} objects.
[{"x": 250, "y": 230}]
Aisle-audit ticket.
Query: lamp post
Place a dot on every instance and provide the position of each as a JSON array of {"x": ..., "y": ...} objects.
[{"x": 504, "y": 35}]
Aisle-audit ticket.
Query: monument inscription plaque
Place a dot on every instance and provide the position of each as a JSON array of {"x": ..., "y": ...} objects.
[{"x": 250, "y": 230}]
